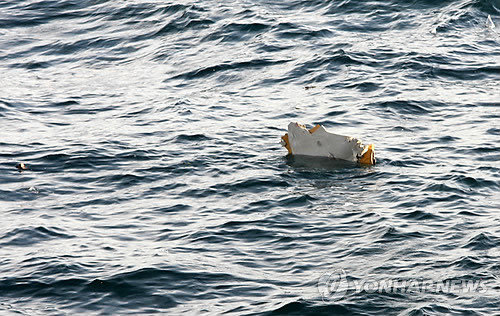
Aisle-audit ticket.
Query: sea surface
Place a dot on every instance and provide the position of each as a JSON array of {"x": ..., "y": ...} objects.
[{"x": 156, "y": 181}]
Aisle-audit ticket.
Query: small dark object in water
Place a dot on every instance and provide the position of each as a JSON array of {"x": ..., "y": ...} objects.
[
  {"x": 309, "y": 87},
  {"x": 21, "y": 166}
]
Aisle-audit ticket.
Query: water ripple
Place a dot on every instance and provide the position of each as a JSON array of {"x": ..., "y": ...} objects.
[{"x": 156, "y": 183}]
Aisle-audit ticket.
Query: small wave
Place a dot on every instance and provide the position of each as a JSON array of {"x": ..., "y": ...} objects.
[
  {"x": 208, "y": 71},
  {"x": 181, "y": 25},
  {"x": 295, "y": 31},
  {"x": 149, "y": 125},
  {"x": 431, "y": 309},
  {"x": 85, "y": 162},
  {"x": 420, "y": 216},
  {"x": 483, "y": 241},
  {"x": 28, "y": 236},
  {"x": 191, "y": 138},
  {"x": 394, "y": 235},
  {"x": 302, "y": 307},
  {"x": 252, "y": 185},
  {"x": 468, "y": 263},
  {"x": 407, "y": 107},
  {"x": 327, "y": 62},
  {"x": 468, "y": 73}
]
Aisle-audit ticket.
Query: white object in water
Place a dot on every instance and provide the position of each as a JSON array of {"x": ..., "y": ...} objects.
[
  {"x": 318, "y": 142},
  {"x": 490, "y": 23}
]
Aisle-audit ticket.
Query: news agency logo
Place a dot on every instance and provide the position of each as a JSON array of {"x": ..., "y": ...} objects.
[{"x": 334, "y": 285}]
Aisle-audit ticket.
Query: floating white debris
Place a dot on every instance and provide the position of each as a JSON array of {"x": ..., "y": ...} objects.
[
  {"x": 21, "y": 166},
  {"x": 34, "y": 190},
  {"x": 318, "y": 142},
  {"x": 490, "y": 23}
]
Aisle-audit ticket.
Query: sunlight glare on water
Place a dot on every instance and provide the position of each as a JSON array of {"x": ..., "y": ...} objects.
[{"x": 156, "y": 181}]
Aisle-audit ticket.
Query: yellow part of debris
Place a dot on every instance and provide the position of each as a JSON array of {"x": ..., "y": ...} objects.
[{"x": 286, "y": 143}]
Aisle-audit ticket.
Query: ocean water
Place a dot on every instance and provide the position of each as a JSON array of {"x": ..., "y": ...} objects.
[{"x": 157, "y": 183}]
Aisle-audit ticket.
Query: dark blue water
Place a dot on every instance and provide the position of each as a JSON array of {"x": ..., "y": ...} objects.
[{"x": 157, "y": 183}]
